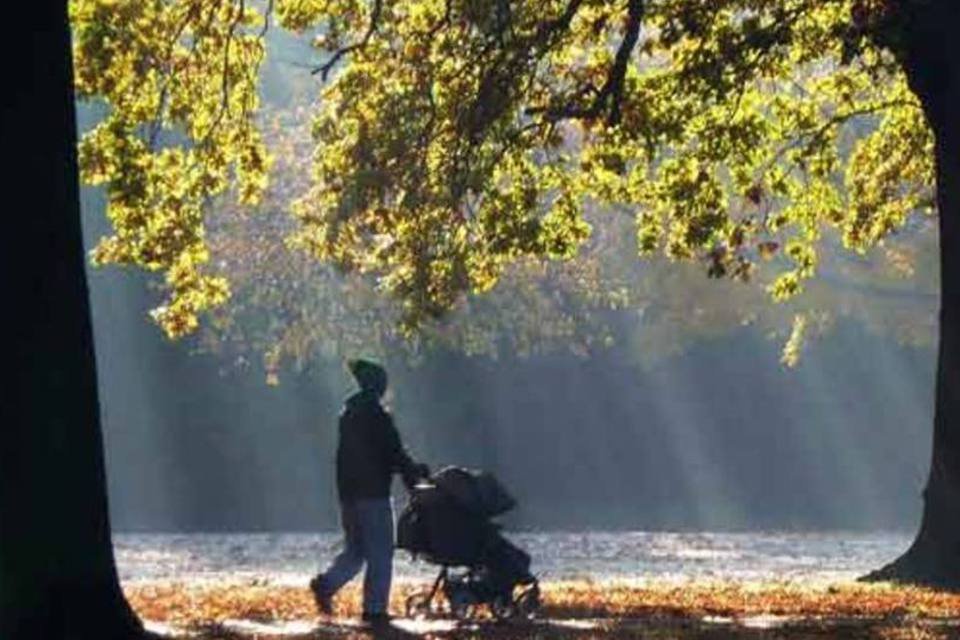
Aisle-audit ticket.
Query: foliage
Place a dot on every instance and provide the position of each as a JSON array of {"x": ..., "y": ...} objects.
[
  {"x": 190, "y": 68},
  {"x": 287, "y": 306},
  {"x": 656, "y": 603},
  {"x": 456, "y": 138}
]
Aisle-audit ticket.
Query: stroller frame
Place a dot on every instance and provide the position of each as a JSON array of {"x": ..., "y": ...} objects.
[{"x": 465, "y": 603}]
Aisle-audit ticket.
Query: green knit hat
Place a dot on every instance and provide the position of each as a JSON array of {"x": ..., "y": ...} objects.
[{"x": 369, "y": 375}]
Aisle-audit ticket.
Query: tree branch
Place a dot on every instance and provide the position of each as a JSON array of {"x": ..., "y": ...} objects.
[
  {"x": 171, "y": 69},
  {"x": 562, "y": 22},
  {"x": 325, "y": 69},
  {"x": 266, "y": 18},
  {"x": 610, "y": 95},
  {"x": 225, "y": 81},
  {"x": 814, "y": 136}
]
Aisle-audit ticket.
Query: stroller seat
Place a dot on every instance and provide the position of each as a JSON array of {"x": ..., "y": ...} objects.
[{"x": 447, "y": 522}]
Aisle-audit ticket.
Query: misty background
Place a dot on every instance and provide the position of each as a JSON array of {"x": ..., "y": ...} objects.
[{"x": 719, "y": 436}]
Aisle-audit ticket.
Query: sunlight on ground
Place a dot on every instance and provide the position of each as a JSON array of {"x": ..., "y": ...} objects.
[{"x": 259, "y": 609}]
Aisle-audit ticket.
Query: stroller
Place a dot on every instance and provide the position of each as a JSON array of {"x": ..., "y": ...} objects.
[{"x": 448, "y": 522}]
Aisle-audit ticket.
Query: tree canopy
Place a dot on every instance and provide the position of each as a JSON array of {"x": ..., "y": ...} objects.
[
  {"x": 288, "y": 307},
  {"x": 456, "y": 139}
]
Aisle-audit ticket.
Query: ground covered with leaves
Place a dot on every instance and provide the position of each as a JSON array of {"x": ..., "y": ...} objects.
[{"x": 581, "y": 609}]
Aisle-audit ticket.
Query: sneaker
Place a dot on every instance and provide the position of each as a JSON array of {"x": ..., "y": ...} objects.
[
  {"x": 376, "y": 619},
  {"x": 321, "y": 596}
]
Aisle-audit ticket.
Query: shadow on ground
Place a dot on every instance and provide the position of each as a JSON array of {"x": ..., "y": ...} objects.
[{"x": 656, "y": 628}]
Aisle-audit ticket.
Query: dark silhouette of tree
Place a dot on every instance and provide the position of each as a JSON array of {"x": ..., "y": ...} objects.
[
  {"x": 58, "y": 579},
  {"x": 924, "y": 36}
]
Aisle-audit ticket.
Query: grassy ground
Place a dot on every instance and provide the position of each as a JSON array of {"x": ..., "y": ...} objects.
[{"x": 577, "y": 610}]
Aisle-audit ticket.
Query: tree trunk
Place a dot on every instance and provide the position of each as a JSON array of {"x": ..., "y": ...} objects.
[
  {"x": 58, "y": 579},
  {"x": 931, "y": 57}
]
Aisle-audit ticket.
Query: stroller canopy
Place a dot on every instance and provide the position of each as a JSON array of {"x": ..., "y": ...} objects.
[
  {"x": 447, "y": 520},
  {"x": 476, "y": 491}
]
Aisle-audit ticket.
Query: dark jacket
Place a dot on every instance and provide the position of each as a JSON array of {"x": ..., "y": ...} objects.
[{"x": 370, "y": 451}]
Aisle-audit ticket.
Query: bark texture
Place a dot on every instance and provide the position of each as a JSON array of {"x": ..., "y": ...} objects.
[
  {"x": 58, "y": 579},
  {"x": 929, "y": 49}
]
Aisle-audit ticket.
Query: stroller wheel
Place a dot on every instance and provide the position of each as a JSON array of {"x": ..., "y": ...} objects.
[
  {"x": 462, "y": 610},
  {"x": 460, "y": 600},
  {"x": 419, "y": 604},
  {"x": 527, "y": 603},
  {"x": 503, "y": 608}
]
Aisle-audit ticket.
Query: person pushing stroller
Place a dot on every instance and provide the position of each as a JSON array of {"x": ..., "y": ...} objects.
[{"x": 369, "y": 453}]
